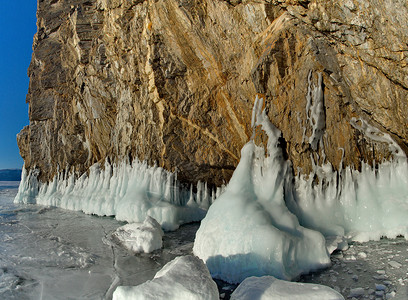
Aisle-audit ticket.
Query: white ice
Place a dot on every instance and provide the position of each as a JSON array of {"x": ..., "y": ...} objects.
[
  {"x": 249, "y": 230},
  {"x": 185, "y": 277},
  {"x": 128, "y": 191},
  {"x": 140, "y": 237},
  {"x": 262, "y": 196},
  {"x": 268, "y": 287},
  {"x": 360, "y": 205},
  {"x": 315, "y": 110},
  {"x": 253, "y": 228}
]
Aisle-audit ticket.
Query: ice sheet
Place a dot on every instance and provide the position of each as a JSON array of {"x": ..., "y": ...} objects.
[{"x": 52, "y": 253}]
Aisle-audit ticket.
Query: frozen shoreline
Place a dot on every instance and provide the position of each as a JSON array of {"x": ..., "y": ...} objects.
[
  {"x": 53, "y": 253},
  {"x": 29, "y": 230}
]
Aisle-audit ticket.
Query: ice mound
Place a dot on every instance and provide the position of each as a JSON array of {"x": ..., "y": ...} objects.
[
  {"x": 249, "y": 231},
  {"x": 268, "y": 287},
  {"x": 140, "y": 237},
  {"x": 128, "y": 191},
  {"x": 185, "y": 277}
]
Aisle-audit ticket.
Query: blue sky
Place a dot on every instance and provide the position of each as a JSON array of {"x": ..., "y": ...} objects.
[{"x": 17, "y": 28}]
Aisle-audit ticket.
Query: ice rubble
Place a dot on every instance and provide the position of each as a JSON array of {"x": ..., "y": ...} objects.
[
  {"x": 268, "y": 287},
  {"x": 140, "y": 237},
  {"x": 129, "y": 191},
  {"x": 185, "y": 277},
  {"x": 249, "y": 230}
]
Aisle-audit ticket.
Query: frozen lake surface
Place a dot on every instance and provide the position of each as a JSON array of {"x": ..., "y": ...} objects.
[{"x": 51, "y": 253}]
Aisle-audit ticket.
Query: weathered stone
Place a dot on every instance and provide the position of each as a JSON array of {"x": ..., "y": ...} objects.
[{"x": 173, "y": 82}]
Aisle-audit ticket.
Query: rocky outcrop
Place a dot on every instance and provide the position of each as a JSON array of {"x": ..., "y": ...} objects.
[{"x": 173, "y": 83}]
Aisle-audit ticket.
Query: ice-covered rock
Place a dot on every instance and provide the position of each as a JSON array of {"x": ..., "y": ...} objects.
[
  {"x": 269, "y": 287},
  {"x": 140, "y": 237},
  {"x": 185, "y": 277},
  {"x": 249, "y": 231}
]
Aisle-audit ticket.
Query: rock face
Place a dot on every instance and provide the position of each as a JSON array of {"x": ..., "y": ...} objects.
[{"x": 173, "y": 82}]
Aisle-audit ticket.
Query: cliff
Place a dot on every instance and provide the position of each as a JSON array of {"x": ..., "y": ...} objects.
[{"x": 173, "y": 83}]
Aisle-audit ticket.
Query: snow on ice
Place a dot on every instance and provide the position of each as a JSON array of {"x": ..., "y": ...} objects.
[
  {"x": 140, "y": 237},
  {"x": 185, "y": 277},
  {"x": 269, "y": 287}
]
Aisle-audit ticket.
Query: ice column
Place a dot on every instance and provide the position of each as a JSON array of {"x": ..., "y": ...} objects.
[{"x": 249, "y": 231}]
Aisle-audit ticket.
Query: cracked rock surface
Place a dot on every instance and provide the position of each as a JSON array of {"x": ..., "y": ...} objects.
[{"x": 173, "y": 82}]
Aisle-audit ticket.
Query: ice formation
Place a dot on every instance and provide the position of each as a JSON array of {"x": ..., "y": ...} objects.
[
  {"x": 128, "y": 191},
  {"x": 185, "y": 277},
  {"x": 255, "y": 227},
  {"x": 140, "y": 237},
  {"x": 347, "y": 204},
  {"x": 249, "y": 231},
  {"x": 359, "y": 205},
  {"x": 315, "y": 110},
  {"x": 268, "y": 287}
]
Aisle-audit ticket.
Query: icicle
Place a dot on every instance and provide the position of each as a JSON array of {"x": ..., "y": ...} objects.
[
  {"x": 315, "y": 110},
  {"x": 131, "y": 192},
  {"x": 376, "y": 135}
]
